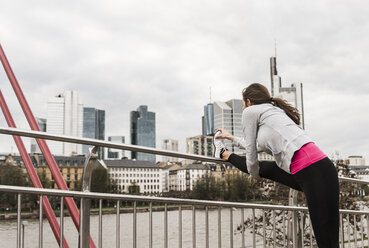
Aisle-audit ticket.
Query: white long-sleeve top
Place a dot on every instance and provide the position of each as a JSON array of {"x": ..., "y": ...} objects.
[{"x": 267, "y": 128}]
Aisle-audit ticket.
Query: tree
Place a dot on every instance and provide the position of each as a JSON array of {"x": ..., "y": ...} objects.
[
  {"x": 99, "y": 180},
  {"x": 134, "y": 189},
  {"x": 11, "y": 175}
]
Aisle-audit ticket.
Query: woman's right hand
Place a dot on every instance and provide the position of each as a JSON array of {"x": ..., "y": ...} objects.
[{"x": 224, "y": 134}]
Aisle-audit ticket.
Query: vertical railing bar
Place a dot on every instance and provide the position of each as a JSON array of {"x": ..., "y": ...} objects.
[
  {"x": 348, "y": 230},
  {"x": 219, "y": 227},
  {"x": 355, "y": 231},
  {"x": 264, "y": 229},
  {"x": 284, "y": 227},
  {"x": 180, "y": 226},
  {"x": 311, "y": 233},
  {"x": 166, "y": 225},
  {"x": 150, "y": 225},
  {"x": 342, "y": 231},
  {"x": 41, "y": 227},
  {"x": 362, "y": 230},
  {"x": 302, "y": 228},
  {"x": 134, "y": 224},
  {"x": 207, "y": 227},
  {"x": 19, "y": 207},
  {"x": 253, "y": 229},
  {"x": 62, "y": 221},
  {"x": 100, "y": 223},
  {"x": 274, "y": 234},
  {"x": 193, "y": 226},
  {"x": 231, "y": 228},
  {"x": 294, "y": 227},
  {"x": 117, "y": 231},
  {"x": 367, "y": 227},
  {"x": 243, "y": 226}
]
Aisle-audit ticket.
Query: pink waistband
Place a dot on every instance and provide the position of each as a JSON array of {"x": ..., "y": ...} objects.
[{"x": 307, "y": 155}]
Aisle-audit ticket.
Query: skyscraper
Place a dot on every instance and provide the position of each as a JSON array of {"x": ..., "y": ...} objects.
[
  {"x": 42, "y": 125},
  {"x": 293, "y": 94},
  {"x": 208, "y": 120},
  {"x": 200, "y": 145},
  {"x": 170, "y": 145},
  {"x": 228, "y": 115},
  {"x": 142, "y": 131},
  {"x": 94, "y": 128},
  {"x": 116, "y": 153},
  {"x": 65, "y": 117}
]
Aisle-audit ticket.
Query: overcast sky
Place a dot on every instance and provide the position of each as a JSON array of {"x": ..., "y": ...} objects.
[{"x": 166, "y": 54}]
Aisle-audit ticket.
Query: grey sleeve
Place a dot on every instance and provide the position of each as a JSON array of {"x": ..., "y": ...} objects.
[
  {"x": 239, "y": 142},
  {"x": 250, "y": 120}
]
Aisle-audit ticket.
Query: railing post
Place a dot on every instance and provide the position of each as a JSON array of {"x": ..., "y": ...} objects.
[
  {"x": 84, "y": 222},
  {"x": 292, "y": 220}
]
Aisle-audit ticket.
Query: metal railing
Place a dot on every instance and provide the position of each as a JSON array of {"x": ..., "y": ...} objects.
[
  {"x": 293, "y": 230},
  {"x": 352, "y": 233}
]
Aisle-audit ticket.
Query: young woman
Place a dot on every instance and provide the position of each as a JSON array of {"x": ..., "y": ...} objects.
[{"x": 271, "y": 125}]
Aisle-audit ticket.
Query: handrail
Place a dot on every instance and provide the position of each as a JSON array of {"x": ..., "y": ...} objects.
[
  {"x": 135, "y": 148},
  {"x": 181, "y": 201}
]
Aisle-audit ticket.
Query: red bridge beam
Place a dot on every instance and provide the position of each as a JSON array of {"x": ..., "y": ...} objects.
[{"x": 71, "y": 205}]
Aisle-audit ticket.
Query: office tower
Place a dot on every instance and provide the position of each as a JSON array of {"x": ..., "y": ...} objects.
[
  {"x": 228, "y": 115},
  {"x": 116, "y": 153},
  {"x": 200, "y": 145},
  {"x": 94, "y": 128},
  {"x": 293, "y": 94},
  {"x": 65, "y": 117},
  {"x": 208, "y": 120},
  {"x": 142, "y": 130},
  {"x": 170, "y": 145},
  {"x": 41, "y": 122}
]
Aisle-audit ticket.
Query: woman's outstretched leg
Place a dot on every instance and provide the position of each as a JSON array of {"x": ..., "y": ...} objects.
[{"x": 268, "y": 170}]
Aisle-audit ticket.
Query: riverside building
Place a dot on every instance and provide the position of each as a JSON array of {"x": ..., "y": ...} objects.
[
  {"x": 126, "y": 172},
  {"x": 185, "y": 178}
]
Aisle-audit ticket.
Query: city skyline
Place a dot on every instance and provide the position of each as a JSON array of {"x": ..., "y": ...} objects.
[{"x": 167, "y": 55}]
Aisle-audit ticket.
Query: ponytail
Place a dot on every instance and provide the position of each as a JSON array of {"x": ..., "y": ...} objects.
[{"x": 292, "y": 112}]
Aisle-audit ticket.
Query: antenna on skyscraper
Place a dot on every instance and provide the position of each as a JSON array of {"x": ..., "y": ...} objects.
[
  {"x": 210, "y": 93},
  {"x": 275, "y": 48}
]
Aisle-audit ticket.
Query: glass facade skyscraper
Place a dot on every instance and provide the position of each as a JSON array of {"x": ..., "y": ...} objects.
[
  {"x": 228, "y": 115},
  {"x": 142, "y": 131},
  {"x": 94, "y": 128},
  {"x": 116, "y": 153},
  {"x": 208, "y": 120},
  {"x": 41, "y": 122}
]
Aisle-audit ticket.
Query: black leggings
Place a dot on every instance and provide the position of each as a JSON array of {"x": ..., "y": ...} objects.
[{"x": 319, "y": 182}]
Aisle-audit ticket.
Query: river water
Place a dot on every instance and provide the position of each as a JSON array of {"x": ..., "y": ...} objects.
[{"x": 8, "y": 230}]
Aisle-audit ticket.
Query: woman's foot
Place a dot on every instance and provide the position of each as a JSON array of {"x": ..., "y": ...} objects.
[{"x": 219, "y": 145}]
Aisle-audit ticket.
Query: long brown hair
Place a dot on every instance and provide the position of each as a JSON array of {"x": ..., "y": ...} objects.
[{"x": 258, "y": 94}]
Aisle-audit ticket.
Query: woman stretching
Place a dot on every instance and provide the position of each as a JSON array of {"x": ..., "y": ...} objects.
[{"x": 271, "y": 125}]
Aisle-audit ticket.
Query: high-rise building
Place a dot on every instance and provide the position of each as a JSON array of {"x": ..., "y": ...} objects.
[
  {"x": 208, "y": 120},
  {"x": 41, "y": 122},
  {"x": 228, "y": 115},
  {"x": 170, "y": 145},
  {"x": 200, "y": 145},
  {"x": 65, "y": 117},
  {"x": 116, "y": 153},
  {"x": 142, "y": 131},
  {"x": 293, "y": 94},
  {"x": 94, "y": 128}
]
